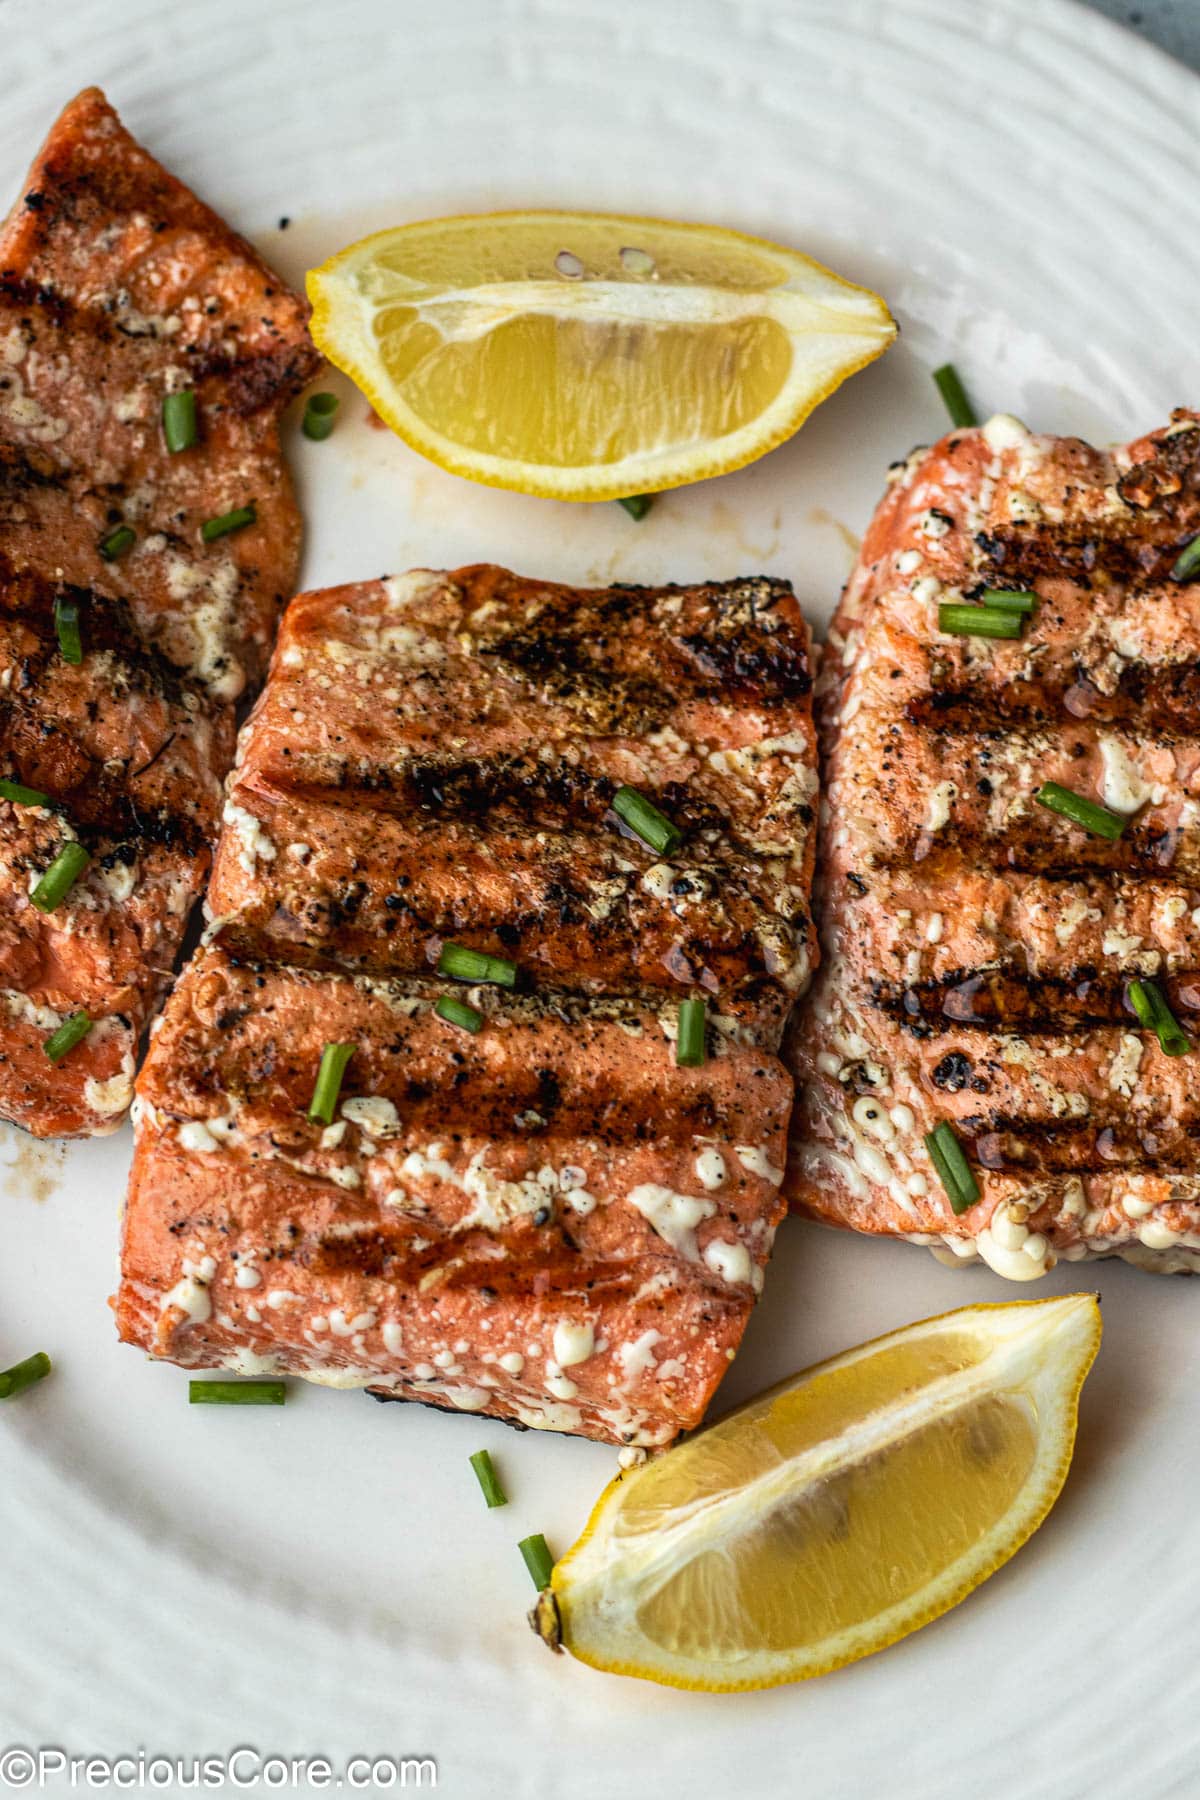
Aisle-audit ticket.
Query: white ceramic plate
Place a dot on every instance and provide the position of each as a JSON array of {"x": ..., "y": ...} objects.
[{"x": 1023, "y": 183}]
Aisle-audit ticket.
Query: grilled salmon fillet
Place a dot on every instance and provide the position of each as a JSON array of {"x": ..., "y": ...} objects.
[
  {"x": 979, "y": 949},
  {"x": 118, "y": 288},
  {"x": 546, "y": 1219}
]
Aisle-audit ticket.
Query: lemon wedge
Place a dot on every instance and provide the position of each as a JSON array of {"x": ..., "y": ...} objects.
[
  {"x": 835, "y": 1513},
  {"x": 588, "y": 356}
]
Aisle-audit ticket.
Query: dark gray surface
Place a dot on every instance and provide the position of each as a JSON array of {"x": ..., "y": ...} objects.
[{"x": 1174, "y": 25}]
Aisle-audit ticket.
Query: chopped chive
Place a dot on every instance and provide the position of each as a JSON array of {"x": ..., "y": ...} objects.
[
  {"x": 320, "y": 411},
  {"x": 1149, "y": 1003},
  {"x": 334, "y": 1058},
  {"x": 645, "y": 821},
  {"x": 237, "y": 520},
  {"x": 457, "y": 1012},
  {"x": 1070, "y": 805},
  {"x": 179, "y": 421},
  {"x": 979, "y": 621},
  {"x": 24, "y": 1374},
  {"x": 488, "y": 1480},
  {"x": 476, "y": 965},
  {"x": 118, "y": 541},
  {"x": 538, "y": 1559},
  {"x": 66, "y": 624},
  {"x": 1187, "y": 563},
  {"x": 60, "y": 877},
  {"x": 954, "y": 1171},
  {"x": 1016, "y": 600},
  {"x": 236, "y": 1393},
  {"x": 689, "y": 1039},
  {"x": 954, "y": 395},
  {"x": 636, "y": 505},
  {"x": 22, "y": 796},
  {"x": 72, "y": 1031}
]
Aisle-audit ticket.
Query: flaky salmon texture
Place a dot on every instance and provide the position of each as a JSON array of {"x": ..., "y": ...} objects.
[
  {"x": 547, "y": 1219},
  {"x": 118, "y": 288},
  {"x": 978, "y": 948}
]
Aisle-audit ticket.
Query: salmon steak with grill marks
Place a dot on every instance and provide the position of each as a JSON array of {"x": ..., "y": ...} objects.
[
  {"x": 119, "y": 288},
  {"x": 545, "y": 1217},
  {"x": 982, "y": 953}
]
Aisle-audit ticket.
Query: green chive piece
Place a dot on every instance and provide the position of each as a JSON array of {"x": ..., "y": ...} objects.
[
  {"x": 1070, "y": 805},
  {"x": 538, "y": 1559},
  {"x": 320, "y": 410},
  {"x": 457, "y": 1012},
  {"x": 488, "y": 1480},
  {"x": 66, "y": 624},
  {"x": 120, "y": 539},
  {"x": 72, "y": 1031},
  {"x": 689, "y": 1039},
  {"x": 179, "y": 421},
  {"x": 1016, "y": 600},
  {"x": 645, "y": 820},
  {"x": 954, "y": 395},
  {"x": 237, "y": 520},
  {"x": 236, "y": 1393},
  {"x": 60, "y": 877},
  {"x": 954, "y": 1171},
  {"x": 475, "y": 965},
  {"x": 979, "y": 621},
  {"x": 23, "y": 1375},
  {"x": 1149, "y": 1003},
  {"x": 637, "y": 505},
  {"x": 22, "y": 796},
  {"x": 334, "y": 1058},
  {"x": 1187, "y": 563}
]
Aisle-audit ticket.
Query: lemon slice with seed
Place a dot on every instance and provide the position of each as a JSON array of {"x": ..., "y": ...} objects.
[
  {"x": 835, "y": 1513},
  {"x": 587, "y": 356}
]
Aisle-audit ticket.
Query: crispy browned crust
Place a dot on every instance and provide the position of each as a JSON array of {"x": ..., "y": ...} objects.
[{"x": 118, "y": 286}]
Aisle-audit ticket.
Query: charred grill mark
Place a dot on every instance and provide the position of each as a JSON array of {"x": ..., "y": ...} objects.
[
  {"x": 772, "y": 669},
  {"x": 323, "y": 930},
  {"x": 103, "y": 809},
  {"x": 28, "y": 602},
  {"x": 1009, "y": 1001},
  {"x": 560, "y": 669},
  {"x": 472, "y": 788},
  {"x": 254, "y": 382},
  {"x": 492, "y": 794},
  {"x": 1158, "y": 698},
  {"x": 1169, "y": 479},
  {"x": 1031, "y": 847},
  {"x": 18, "y": 293},
  {"x": 956, "y": 1071},
  {"x": 137, "y": 666},
  {"x": 1140, "y": 549},
  {"x": 1103, "y": 1142},
  {"x": 571, "y": 647},
  {"x": 23, "y": 471}
]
